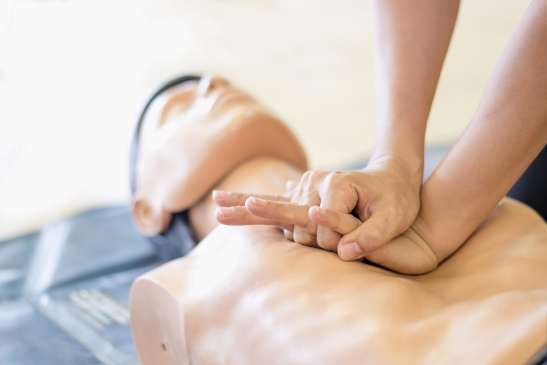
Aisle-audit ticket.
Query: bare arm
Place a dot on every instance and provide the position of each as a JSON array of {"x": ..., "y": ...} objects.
[
  {"x": 506, "y": 133},
  {"x": 412, "y": 38}
]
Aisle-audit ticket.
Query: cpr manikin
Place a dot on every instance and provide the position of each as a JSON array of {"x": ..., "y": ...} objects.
[{"x": 246, "y": 295}]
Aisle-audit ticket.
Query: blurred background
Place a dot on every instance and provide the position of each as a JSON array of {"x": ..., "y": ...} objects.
[{"x": 75, "y": 73}]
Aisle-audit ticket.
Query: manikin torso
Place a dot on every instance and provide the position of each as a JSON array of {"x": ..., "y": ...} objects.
[{"x": 245, "y": 295}]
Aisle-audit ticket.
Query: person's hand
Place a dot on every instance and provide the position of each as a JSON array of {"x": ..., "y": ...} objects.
[
  {"x": 385, "y": 197},
  {"x": 407, "y": 253}
]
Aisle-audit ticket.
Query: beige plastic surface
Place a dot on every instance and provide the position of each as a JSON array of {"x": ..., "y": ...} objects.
[{"x": 245, "y": 295}]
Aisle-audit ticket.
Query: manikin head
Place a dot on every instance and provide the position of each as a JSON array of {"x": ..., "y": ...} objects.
[{"x": 191, "y": 134}]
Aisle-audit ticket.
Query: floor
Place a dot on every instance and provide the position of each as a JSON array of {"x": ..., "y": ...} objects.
[{"x": 74, "y": 73}]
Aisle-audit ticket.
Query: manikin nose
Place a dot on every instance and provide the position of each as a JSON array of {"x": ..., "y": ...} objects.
[{"x": 209, "y": 83}]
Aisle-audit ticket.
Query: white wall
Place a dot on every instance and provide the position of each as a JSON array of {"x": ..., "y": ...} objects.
[{"x": 74, "y": 73}]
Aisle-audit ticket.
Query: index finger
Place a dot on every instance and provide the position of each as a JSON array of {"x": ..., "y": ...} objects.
[
  {"x": 291, "y": 213},
  {"x": 340, "y": 222},
  {"x": 239, "y": 216},
  {"x": 232, "y": 199}
]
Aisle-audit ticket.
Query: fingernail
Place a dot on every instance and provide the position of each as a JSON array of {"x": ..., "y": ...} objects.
[
  {"x": 258, "y": 202},
  {"x": 225, "y": 212},
  {"x": 351, "y": 251}
]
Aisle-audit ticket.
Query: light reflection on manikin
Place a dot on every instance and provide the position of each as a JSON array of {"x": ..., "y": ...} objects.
[{"x": 174, "y": 171}]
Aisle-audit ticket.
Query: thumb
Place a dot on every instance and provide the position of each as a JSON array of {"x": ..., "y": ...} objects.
[{"x": 367, "y": 238}]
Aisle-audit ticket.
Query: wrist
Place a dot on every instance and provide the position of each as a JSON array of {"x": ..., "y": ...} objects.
[
  {"x": 400, "y": 140},
  {"x": 411, "y": 166}
]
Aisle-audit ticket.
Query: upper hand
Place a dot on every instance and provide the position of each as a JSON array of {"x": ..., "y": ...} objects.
[
  {"x": 407, "y": 253},
  {"x": 385, "y": 196}
]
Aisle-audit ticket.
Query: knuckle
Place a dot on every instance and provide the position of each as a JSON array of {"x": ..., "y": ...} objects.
[
  {"x": 306, "y": 176},
  {"x": 296, "y": 195},
  {"x": 331, "y": 180},
  {"x": 334, "y": 179},
  {"x": 337, "y": 183},
  {"x": 310, "y": 228},
  {"x": 397, "y": 218},
  {"x": 315, "y": 176}
]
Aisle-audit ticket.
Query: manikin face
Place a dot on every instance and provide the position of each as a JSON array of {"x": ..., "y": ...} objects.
[
  {"x": 191, "y": 136},
  {"x": 210, "y": 100}
]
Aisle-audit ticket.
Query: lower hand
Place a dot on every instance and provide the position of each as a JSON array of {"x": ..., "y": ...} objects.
[{"x": 385, "y": 197}]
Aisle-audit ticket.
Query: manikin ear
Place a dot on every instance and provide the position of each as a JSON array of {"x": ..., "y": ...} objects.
[{"x": 150, "y": 221}]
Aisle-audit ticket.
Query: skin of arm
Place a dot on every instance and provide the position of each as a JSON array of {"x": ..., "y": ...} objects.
[
  {"x": 412, "y": 39},
  {"x": 507, "y": 132}
]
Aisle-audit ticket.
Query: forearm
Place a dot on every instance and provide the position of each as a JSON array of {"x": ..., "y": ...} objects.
[
  {"x": 507, "y": 132},
  {"x": 412, "y": 39}
]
